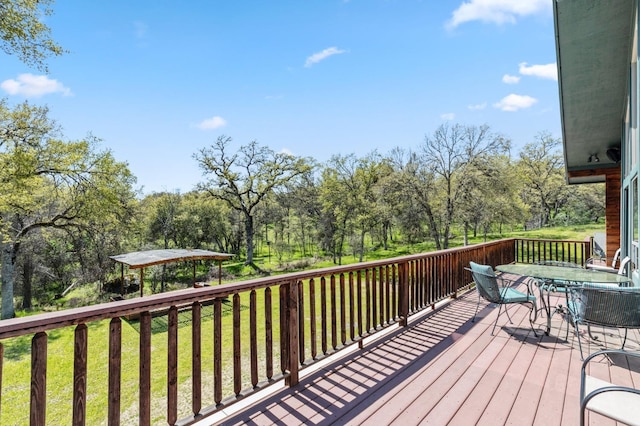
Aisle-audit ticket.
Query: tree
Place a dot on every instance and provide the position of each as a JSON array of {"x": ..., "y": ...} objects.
[
  {"x": 245, "y": 178},
  {"x": 201, "y": 222},
  {"x": 492, "y": 198},
  {"x": 448, "y": 155},
  {"x": 542, "y": 169},
  {"x": 23, "y": 32},
  {"x": 164, "y": 208},
  {"x": 46, "y": 182}
]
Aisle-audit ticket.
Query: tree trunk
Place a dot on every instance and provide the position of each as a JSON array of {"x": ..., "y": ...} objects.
[
  {"x": 433, "y": 227},
  {"x": 248, "y": 230},
  {"x": 27, "y": 279},
  {"x": 8, "y": 279},
  {"x": 466, "y": 233}
]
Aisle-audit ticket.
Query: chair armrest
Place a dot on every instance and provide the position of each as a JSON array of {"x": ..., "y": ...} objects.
[
  {"x": 507, "y": 282},
  {"x": 621, "y": 403},
  {"x": 602, "y": 268}
]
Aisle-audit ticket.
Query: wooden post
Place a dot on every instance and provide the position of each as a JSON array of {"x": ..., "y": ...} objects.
[
  {"x": 38, "y": 379},
  {"x": 144, "y": 380},
  {"x": 403, "y": 290},
  {"x": 122, "y": 279},
  {"x": 292, "y": 326},
  {"x": 115, "y": 370},
  {"x": 219, "y": 272},
  {"x": 80, "y": 375},
  {"x": 141, "y": 282}
]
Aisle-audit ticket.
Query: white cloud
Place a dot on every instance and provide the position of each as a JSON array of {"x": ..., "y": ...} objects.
[
  {"x": 141, "y": 29},
  {"x": 549, "y": 71},
  {"x": 320, "y": 56},
  {"x": 515, "y": 102},
  {"x": 448, "y": 116},
  {"x": 34, "y": 86},
  {"x": 510, "y": 79},
  {"x": 212, "y": 123},
  {"x": 477, "y": 107},
  {"x": 496, "y": 11}
]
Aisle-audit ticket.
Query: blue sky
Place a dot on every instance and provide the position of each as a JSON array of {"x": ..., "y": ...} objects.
[{"x": 157, "y": 80}]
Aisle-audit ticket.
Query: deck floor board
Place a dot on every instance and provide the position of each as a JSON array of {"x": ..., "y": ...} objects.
[{"x": 443, "y": 369}]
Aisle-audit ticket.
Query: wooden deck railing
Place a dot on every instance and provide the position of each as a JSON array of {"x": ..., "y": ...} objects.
[
  {"x": 530, "y": 251},
  {"x": 196, "y": 351}
]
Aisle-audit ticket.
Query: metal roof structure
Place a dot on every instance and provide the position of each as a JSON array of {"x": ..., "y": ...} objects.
[{"x": 142, "y": 259}]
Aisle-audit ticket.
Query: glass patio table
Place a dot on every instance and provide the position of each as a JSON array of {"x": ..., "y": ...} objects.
[{"x": 561, "y": 277}]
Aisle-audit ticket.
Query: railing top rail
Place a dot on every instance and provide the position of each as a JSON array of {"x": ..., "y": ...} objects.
[
  {"x": 42, "y": 322},
  {"x": 552, "y": 240}
]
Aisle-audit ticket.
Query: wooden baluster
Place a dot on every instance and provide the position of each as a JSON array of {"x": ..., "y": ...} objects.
[
  {"x": 403, "y": 290},
  {"x": 1, "y": 365},
  {"x": 387, "y": 280},
  {"x": 115, "y": 368},
  {"x": 38, "y": 406},
  {"x": 237, "y": 334},
  {"x": 253, "y": 338},
  {"x": 394, "y": 288},
  {"x": 334, "y": 314},
  {"x": 379, "y": 285},
  {"x": 301, "y": 322},
  {"x": 217, "y": 351},
  {"x": 268, "y": 329},
  {"x": 313, "y": 324},
  {"x": 417, "y": 286},
  {"x": 352, "y": 320},
  {"x": 80, "y": 375},
  {"x": 145, "y": 369},
  {"x": 196, "y": 357},
  {"x": 323, "y": 310},
  {"x": 367, "y": 283},
  {"x": 343, "y": 312},
  {"x": 374, "y": 298},
  {"x": 359, "y": 296},
  {"x": 172, "y": 366}
]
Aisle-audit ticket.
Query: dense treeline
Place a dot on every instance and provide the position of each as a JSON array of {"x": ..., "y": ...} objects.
[{"x": 66, "y": 206}]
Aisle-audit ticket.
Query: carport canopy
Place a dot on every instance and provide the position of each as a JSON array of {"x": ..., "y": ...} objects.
[{"x": 142, "y": 259}]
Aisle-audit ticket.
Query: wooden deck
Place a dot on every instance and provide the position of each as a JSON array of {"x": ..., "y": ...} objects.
[{"x": 445, "y": 370}]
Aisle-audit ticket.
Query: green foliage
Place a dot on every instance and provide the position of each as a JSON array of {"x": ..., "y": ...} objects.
[
  {"x": 49, "y": 183},
  {"x": 23, "y": 32}
]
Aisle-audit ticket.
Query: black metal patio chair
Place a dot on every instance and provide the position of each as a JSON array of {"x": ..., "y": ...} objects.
[
  {"x": 499, "y": 290},
  {"x": 606, "y": 306}
]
